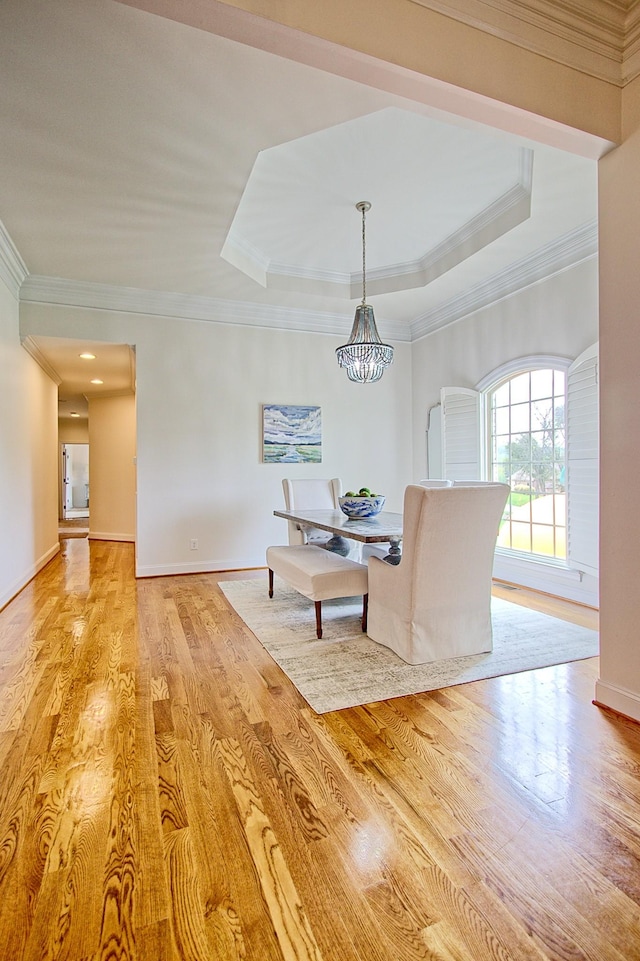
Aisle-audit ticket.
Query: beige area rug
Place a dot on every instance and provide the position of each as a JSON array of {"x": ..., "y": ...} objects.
[{"x": 346, "y": 668}]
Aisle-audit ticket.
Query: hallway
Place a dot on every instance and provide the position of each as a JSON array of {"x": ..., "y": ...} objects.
[{"x": 73, "y": 527}]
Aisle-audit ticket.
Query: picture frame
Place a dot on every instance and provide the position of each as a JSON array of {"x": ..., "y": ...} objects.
[{"x": 291, "y": 434}]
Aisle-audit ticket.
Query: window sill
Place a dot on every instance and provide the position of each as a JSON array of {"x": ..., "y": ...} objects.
[
  {"x": 548, "y": 575},
  {"x": 539, "y": 560}
]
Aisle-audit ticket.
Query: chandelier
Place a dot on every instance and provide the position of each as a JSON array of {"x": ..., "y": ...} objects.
[{"x": 364, "y": 356}]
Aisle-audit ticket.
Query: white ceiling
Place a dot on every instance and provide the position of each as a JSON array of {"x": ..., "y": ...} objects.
[{"x": 147, "y": 161}]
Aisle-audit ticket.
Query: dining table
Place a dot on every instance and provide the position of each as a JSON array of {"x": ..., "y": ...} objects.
[{"x": 382, "y": 528}]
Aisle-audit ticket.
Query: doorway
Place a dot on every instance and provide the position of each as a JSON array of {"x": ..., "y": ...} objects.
[{"x": 75, "y": 481}]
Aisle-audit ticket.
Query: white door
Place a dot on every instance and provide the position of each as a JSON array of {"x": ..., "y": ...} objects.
[{"x": 75, "y": 480}]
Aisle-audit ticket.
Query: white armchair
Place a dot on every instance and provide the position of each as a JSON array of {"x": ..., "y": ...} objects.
[
  {"x": 310, "y": 494},
  {"x": 471, "y": 483},
  {"x": 436, "y": 603},
  {"x": 381, "y": 550}
]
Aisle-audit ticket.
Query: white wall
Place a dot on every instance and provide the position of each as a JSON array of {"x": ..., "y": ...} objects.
[
  {"x": 28, "y": 462},
  {"x": 112, "y": 472},
  {"x": 72, "y": 431},
  {"x": 200, "y": 387},
  {"x": 557, "y": 317},
  {"x": 619, "y": 684}
]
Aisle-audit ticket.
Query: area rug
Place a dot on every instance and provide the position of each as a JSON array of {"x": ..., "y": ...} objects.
[{"x": 346, "y": 668}]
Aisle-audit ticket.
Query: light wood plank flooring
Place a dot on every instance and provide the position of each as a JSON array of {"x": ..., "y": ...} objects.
[{"x": 167, "y": 794}]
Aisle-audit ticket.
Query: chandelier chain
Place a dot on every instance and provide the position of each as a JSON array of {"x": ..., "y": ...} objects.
[{"x": 364, "y": 272}]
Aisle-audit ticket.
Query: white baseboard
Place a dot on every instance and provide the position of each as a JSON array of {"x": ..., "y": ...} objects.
[
  {"x": 28, "y": 575},
  {"x": 113, "y": 536},
  {"x": 196, "y": 567},
  {"x": 618, "y": 699}
]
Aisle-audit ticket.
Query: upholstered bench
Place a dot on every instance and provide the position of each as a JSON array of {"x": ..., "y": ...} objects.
[{"x": 319, "y": 574}]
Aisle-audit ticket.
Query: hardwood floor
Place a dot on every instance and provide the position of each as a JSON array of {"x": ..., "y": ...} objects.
[
  {"x": 73, "y": 527},
  {"x": 167, "y": 794}
]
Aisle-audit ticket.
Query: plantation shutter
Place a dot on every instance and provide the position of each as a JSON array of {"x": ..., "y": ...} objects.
[
  {"x": 434, "y": 442},
  {"x": 461, "y": 434},
  {"x": 582, "y": 462}
]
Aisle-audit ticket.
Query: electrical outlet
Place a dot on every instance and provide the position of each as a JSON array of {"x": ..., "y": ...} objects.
[{"x": 193, "y": 543}]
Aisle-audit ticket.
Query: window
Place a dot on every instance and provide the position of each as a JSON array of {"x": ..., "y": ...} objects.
[
  {"x": 527, "y": 451},
  {"x": 513, "y": 428}
]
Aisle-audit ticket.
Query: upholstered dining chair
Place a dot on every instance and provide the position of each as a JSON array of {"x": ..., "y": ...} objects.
[
  {"x": 472, "y": 483},
  {"x": 381, "y": 550},
  {"x": 306, "y": 493},
  {"x": 436, "y": 603}
]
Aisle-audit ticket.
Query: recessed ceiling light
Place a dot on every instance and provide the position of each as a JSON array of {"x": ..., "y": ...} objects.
[
  {"x": 96, "y": 380},
  {"x": 88, "y": 356}
]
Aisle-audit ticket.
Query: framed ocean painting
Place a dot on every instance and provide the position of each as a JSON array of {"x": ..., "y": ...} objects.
[{"x": 291, "y": 434}]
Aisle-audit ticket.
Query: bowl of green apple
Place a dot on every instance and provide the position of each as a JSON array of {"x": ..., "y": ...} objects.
[{"x": 361, "y": 504}]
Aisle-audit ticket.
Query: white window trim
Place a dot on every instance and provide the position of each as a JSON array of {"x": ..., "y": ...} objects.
[
  {"x": 553, "y": 575},
  {"x": 519, "y": 366},
  {"x": 491, "y": 383},
  {"x": 583, "y": 462}
]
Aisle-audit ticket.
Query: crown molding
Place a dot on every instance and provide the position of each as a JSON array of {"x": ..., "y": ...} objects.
[
  {"x": 132, "y": 300},
  {"x": 32, "y": 348},
  {"x": 597, "y": 37},
  {"x": 501, "y": 214},
  {"x": 513, "y": 207},
  {"x": 108, "y": 394},
  {"x": 510, "y": 210},
  {"x": 13, "y": 269},
  {"x": 631, "y": 59},
  {"x": 568, "y": 251}
]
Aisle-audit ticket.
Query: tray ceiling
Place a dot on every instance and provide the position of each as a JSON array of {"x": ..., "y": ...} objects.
[{"x": 157, "y": 167}]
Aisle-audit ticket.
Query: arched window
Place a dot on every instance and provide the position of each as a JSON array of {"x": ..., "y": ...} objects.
[
  {"x": 532, "y": 423},
  {"x": 526, "y": 420}
]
